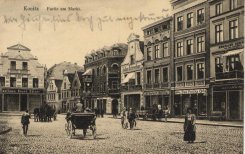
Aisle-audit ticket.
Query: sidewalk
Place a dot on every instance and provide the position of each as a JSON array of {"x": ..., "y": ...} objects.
[{"x": 238, "y": 124}]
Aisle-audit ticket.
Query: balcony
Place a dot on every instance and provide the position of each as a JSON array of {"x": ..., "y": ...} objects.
[
  {"x": 131, "y": 88},
  {"x": 189, "y": 83},
  {"x": 157, "y": 85},
  {"x": 230, "y": 75},
  {"x": 18, "y": 71}
]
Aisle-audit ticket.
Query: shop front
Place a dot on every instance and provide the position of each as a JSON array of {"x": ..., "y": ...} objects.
[
  {"x": 196, "y": 99},
  {"x": 157, "y": 97},
  {"x": 21, "y": 99},
  {"x": 229, "y": 99}
]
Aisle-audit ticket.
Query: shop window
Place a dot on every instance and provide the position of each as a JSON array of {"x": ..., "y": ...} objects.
[
  {"x": 218, "y": 65},
  {"x": 218, "y": 33},
  {"x": 189, "y": 47},
  {"x": 179, "y": 49},
  {"x": 200, "y": 71},
  {"x": 157, "y": 75},
  {"x": 189, "y": 20},
  {"x": 180, "y": 23},
  {"x": 165, "y": 74},
  {"x": 218, "y": 9},
  {"x": 13, "y": 65},
  {"x": 200, "y": 16},
  {"x": 165, "y": 50},
  {"x": 219, "y": 101},
  {"x": 2, "y": 81},
  {"x": 12, "y": 82},
  {"x": 148, "y": 75},
  {"x": 149, "y": 53},
  {"x": 202, "y": 104},
  {"x": 179, "y": 73},
  {"x": 233, "y": 29},
  {"x": 189, "y": 72}
]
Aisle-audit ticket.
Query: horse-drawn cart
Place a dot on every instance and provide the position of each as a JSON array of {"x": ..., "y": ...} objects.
[{"x": 82, "y": 121}]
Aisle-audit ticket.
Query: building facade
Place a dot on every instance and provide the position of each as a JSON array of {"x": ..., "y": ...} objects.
[
  {"x": 191, "y": 57},
  {"x": 53, "y": 94},
  {"x": 104, "y": 66},
  {"x": 132, "y": 74},
  {"x": 158, "y": 63},
  {"x": 22, "y": 80},
  {"x": 226, "y": 52}
]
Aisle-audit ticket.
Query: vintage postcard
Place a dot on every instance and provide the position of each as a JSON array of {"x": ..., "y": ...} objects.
[{"x": 121, "y": 76}]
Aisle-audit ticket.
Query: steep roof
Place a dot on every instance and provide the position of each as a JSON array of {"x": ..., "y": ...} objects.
[{"x": 56, "y": 71}]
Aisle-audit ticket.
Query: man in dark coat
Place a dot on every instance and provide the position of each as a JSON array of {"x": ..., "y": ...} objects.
[{"x": 25, "y": 122}]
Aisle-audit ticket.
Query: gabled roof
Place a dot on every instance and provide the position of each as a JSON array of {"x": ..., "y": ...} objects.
[{"x": 19, "y": 47}]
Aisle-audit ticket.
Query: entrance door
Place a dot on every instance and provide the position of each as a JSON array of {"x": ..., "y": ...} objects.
[
  {"x": 114, "y": 106},
  {"x": 234, "y": 105},
  {"x": 23, "y": 102}
]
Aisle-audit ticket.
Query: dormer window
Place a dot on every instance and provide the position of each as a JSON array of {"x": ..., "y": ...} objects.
[{"x": 115, "y": 52}]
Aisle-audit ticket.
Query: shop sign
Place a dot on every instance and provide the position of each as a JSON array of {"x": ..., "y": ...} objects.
[
  {"x": 228, "y": 87},
  {"x": 193, "y": 91},
  {"x": 157, "y": 93},
  {"x": 31, "y": 91},
  {"x": 232, "y": 45}
]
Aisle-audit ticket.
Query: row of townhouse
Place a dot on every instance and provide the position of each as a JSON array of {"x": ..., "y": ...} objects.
[
  {"x": 192, "y": 59},
  {"x": 63, "y": 94}
]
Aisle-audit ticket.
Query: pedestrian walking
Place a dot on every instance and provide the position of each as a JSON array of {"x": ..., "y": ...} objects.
[
  {"x": 102, "y": 113},
  {"x": 166, "y": 113},
  {"x": 190, "y": 127},
  {"x": 124, "y": 115},
  {"x": 25, "y": 121}
]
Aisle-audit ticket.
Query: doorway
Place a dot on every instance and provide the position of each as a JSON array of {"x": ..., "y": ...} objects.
[
  {"x": 234, "y": 106},
  {"x": 23, "y": 102}
]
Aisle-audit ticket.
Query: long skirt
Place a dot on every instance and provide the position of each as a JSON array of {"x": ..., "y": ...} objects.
[{"x": 190, "y": 133}]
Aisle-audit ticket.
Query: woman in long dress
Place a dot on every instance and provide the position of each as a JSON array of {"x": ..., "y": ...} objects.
[{"x": 190, "y": 127}]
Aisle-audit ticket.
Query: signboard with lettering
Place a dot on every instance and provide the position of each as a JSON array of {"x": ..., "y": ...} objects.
[
  {"x": 166, "y": 92},
  {"x": 23, "y": 91},
  {"x": 231, "y": 45},
  {"x": 192, "y": 91},
  {"x": 229, "y": 87}
]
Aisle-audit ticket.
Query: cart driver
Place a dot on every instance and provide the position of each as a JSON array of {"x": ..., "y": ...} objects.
[{"x": 79, "y": 107}]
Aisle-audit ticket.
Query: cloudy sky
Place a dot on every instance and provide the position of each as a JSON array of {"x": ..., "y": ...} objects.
[{"x": 55, "y": 35}]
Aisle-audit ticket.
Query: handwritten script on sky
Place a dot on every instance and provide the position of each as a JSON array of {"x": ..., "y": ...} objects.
[{"x": 24, "y": 19}]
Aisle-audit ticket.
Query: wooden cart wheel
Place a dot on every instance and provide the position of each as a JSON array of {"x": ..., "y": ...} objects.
[
  {"x": 67, "y": 128},
  {"x": 94, "y": 131}
]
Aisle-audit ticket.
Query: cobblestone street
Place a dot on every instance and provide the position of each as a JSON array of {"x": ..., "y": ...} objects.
[{"x": 147, "y": 137}]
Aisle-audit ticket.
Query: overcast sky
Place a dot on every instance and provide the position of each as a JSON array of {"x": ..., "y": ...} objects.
[{"x": 55, "y": 36}]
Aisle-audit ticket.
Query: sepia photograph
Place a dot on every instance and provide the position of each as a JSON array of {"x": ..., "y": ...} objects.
[{"x": 121, "y": 76}]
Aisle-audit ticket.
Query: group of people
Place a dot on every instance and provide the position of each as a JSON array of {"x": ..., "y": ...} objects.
[{"x": 128, "y": 117}]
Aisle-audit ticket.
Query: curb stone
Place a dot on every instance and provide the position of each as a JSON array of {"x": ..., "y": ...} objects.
[{"x": 8, "y": 129}]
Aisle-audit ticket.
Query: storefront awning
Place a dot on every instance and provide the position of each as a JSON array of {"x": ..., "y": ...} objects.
[
  {"x": 233, "y": 52},
  {"x": 128, "y": 77},
  {"x": 88, "y": 72}
]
